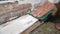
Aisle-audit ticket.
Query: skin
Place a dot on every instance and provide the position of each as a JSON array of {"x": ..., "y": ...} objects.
[
  {"x": 57, "y": 25},
  {"x": 40, "y": 11}
]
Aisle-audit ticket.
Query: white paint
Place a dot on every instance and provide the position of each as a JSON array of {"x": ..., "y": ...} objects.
[
  {"x": 33, "y": 2},
  {"x": 19, "y": 25},
  {"x": 12, "y": 0},
  {"x": 5, "y": 1},
  {"x": 54, "y": 1},
  {"x": 30, "y": 1}
]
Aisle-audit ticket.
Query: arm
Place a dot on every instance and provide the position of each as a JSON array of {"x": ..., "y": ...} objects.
[{"x": 54, "y": 13}]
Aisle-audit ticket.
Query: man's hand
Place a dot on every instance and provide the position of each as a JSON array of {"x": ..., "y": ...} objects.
[{"x": 40, "y": 11}]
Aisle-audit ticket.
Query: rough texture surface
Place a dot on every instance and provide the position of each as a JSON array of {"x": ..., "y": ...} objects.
[
  {"x": 47, "y": 28},
  {"x": 9, "y": 10}
]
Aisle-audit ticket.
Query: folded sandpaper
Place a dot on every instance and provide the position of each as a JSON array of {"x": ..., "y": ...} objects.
[{"x": 42, "y": 18}]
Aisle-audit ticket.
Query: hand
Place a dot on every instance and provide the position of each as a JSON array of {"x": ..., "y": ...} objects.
[{"x": 40, "y": 11}]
